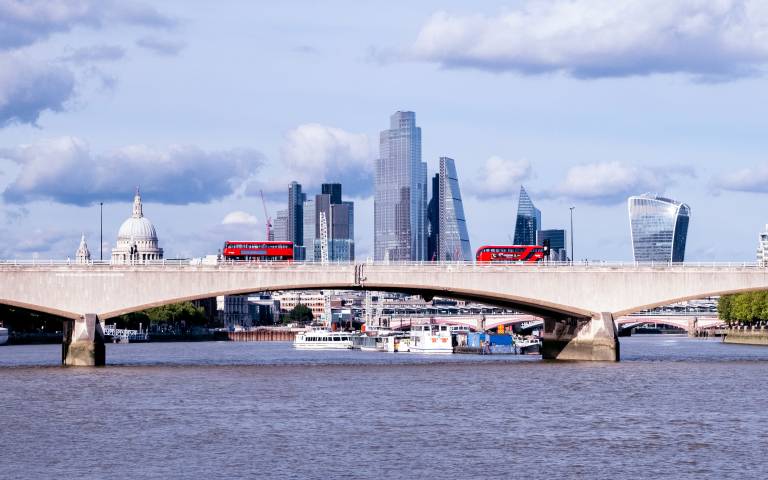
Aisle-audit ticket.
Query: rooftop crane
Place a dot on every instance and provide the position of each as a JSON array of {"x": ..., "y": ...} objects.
[{"x": 267, "y": 218}]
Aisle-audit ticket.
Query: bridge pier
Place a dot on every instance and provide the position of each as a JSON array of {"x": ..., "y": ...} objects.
[
  {"x": 594, "y": 339},
  {"x": 83, "y": 343}
]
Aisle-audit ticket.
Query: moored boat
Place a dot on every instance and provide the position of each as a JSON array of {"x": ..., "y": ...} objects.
[
  {"x": 3, "y": 335},
  {"x": 431, "y": 338},
  {"x": 322, "y": 339}
]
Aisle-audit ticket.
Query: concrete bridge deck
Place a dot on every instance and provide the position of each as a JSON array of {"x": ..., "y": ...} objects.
[{"x": 577, "y": 301}]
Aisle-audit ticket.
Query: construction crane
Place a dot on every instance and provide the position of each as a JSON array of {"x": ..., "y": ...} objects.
[
  {"x": 327, "y": 312},
  {"x": 267, "y": 218}
]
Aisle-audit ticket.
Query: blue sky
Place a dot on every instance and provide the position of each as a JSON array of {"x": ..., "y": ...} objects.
[{"x": 585, "y": 102}]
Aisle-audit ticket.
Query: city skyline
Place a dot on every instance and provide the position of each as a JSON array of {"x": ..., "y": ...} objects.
[{"x": 202, "y": 142}]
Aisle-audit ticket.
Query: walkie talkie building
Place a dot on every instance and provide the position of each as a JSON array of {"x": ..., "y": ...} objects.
[{"x": 659, "y": 228}]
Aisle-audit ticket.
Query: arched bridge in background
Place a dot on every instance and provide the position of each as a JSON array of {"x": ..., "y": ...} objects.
[{"x": 577, "y": 302}]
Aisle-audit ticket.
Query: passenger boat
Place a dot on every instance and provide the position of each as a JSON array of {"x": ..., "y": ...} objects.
[
  {"x": 3, "y": 335},
  {"x": 431, "y": 339},
  {"x": 322, "y": 339}
]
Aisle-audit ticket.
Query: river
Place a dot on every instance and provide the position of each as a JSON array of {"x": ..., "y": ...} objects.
[{"x": 674, "y": 407}]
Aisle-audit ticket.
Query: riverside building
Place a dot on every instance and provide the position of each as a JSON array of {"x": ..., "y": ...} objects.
[
  {"x": 659, "y": 228},
  {"x": 400, "y": 203},
  {"x": 762, "y": 248}
]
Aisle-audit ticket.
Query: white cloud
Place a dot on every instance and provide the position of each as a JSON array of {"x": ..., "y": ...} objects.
[
  {"x": 499, "y": 177},
  {"x": 239, "y": 217},
  {"x": 66, "y": 171},
  {"x": 613, "y": 182},
  {"x": 604, "y": 38},
  {"x": 27, "y": 90},
  {"x": 23, "y": 23},
  {"x": 751, "y": 179},
  {"x": 314, "y": 153}
]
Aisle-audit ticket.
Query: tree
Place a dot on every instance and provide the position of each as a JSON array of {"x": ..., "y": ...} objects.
[
  {"x": 299, "y": 314},
  {"x": 177, "y": 316}
]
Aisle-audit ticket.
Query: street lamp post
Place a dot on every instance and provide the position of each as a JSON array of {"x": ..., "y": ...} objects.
[
  {"x": 101, "y": 231},
  {"x": 573, "y": 257}
]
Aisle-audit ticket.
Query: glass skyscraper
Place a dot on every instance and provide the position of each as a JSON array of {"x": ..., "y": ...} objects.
[
  {"x": 400, "y": 204},
  {"x": 659, "y": 228},
  {"x": 309, "y": 229},
  {"x": 528, "y": 220},
  {"x": 433, "y": 219},
  {"x": 453, "y": 238},
  {"x": 296, "y": 219}
]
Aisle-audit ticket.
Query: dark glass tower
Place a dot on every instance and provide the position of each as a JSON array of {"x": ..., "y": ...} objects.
[
  {"x": 295, "y": 226},
  {"x": 528, "y": 220},
  {"x": 433, "y": 212}
]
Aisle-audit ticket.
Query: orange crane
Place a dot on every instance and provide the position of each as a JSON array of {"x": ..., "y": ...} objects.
[{"x": 267, "y": 218}]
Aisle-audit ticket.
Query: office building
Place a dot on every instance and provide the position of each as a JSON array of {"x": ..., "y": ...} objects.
[
  {"x": 332, "y": 189},
  {"x": 233, "y": 311},
  {"x": 555, "y": 238},
  {"x": 296, "y": 219},
  {"x": 433, "y": 219},
  {"x": 659, "y": 228},
  {"x": 340, "y": 223},
  {"x": 528, "y": 220},
  {"x": 400, "y": 203},
  {"x": 453, "y": 237},
  {"x": 280, "y": 226},
  {"x": 309, "y": 229}
]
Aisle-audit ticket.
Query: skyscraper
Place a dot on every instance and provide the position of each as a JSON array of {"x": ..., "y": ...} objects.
[
  {"x": 453, "y": 238},
  {"x": 332, "y": 189},
  {"x": 528, "y": 220},
  {"x": 400, "y": 204},
  {"x": 433, "y": 219},
  {"x": 340, "y": 218},
  {"x": 296, "y": 219},
  {"x": 309, "y": 230},
  {"x": 280, "y": 226},
  {"x": 659, "y": 228},
  {"x": 556, "y": 240}
]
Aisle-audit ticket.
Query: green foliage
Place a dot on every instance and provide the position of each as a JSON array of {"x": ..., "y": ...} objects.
[
  {"x": 300, "y": 314},
  {"x": 748, "y": 307},
  {"x": 174, "y": 315}
]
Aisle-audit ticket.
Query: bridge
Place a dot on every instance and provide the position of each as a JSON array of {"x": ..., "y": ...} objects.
[{"x": 578, "y": 302}]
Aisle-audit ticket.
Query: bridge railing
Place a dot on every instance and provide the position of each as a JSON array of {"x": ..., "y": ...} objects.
[{"x": 383, "y": 266}]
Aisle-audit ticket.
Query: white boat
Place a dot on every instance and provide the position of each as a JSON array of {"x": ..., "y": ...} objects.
[
  {"x": 431, "y": 339},
  {"x": 528, "y": 345},
  {"x": 3, "y": 335},
  {"x": 321, "y": 339}
]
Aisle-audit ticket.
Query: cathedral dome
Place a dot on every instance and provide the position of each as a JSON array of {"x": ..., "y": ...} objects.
[
  {"x": 137, "y": 238},
  {"x": 138, "y": 229}
]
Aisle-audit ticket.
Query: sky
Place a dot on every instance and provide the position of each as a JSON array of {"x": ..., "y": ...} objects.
[{"x": 205, "y": 104}]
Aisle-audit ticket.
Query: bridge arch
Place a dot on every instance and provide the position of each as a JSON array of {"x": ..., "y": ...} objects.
[
  {"x": 526, "y": 305},
  {"x": 698, "y": 296}
]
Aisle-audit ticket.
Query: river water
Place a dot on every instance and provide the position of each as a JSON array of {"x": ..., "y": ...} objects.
[{"x": 672, "y": 408}]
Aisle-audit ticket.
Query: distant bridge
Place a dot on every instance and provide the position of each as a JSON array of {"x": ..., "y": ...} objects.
[{"x": 577, "y": 302}]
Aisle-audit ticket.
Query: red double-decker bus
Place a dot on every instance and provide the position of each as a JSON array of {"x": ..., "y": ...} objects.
[
  {"x": 510, "y": 253},
  {"x": 258, "y": 251}
]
